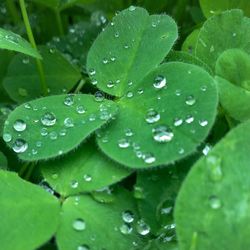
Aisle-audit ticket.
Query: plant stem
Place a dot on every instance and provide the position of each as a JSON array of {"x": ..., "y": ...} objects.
[
  {"x": 29, "y": 171},
  {"x": 79, "y": 86},
  {"x": 59, "y": 22},
  {"x": 23, "y": 169},
  {"x": 33, "y": 43},
  {"x": 13, "y": 11}
]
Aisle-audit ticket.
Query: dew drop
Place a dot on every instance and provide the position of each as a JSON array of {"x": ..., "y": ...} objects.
[
  {"x": 68, "y": 122},
  {"x": 160, "y": 82},
  {"x": 20, "y": 146},
  {"x": 177, "y": 122},
  {"x": 123, "y": 143},
  {"x": 189, "y": 119},
  {"x": 128, "y": 132},
  {"x": 7, "y": 137},
  {"x": 79, "y": 224},
  {"x": 48, "y": 119},
  {"x": 162, "y": 134},
  {"x": 139, "y": 193},
  {"x": 74, "y": 184},
  {"x": 99, "y": 96},
  {"x": 27, "y": 106},
  {"x": 53, "y": 135},
  {"x": 142, "y": 228},
  {"x": 44, "y": 132},
  {"x": 117, "y": 34},
  {"x": 215, "y": 202},
  {"x": 178, "y": 92},
  {"x": 69, "y": 100},
  {"x": 110, "y": 84},
  {"x": 130, "y": 94},
  {"x": 126, "y": 229},
  {"x": 19, "y": 125},
  {"x": 152, "y": 116},
  {"x": 203, "y": 88},
  {"x": 92, "y": 72},
  {"x": 190, "y": 100},
  {"x": 80, "y": 109},
  {"x": 87, "y": 178},
  {"x": 127, "y": 216},
  {"x": 148, "y": 158},
  {"x": 132, "y": 8},
  {"x": 83, "y": 247},
  {"x": 203, "y": 123},
  {"x": 105, "y": 60}
]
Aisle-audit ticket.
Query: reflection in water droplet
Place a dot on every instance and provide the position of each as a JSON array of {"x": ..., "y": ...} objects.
[
  {"x": 159, "y": 82},
  {"x": 215, "y": 202},
  {"x": 19, "y": 125},
  {"x": 162, "y": 134},
  {"x": 152, "y": 116},
  {"x": 48, "y": 119},
  {"x": 79, "y": 224},
  {"x": 20, "y": 146}
]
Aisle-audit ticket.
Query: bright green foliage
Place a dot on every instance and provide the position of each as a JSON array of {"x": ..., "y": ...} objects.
[
  {"x": 118, "y": 59},
  {"x": 216, "y": 214},
  {"x": 12, "y": 41},
  {"x": 84, "y": 170},
  {"x": 166, "y": 123},
  {"x": 21, "y": 81},
  {"x": 211, "y": 7},
  {"x": 3, "y": 161},
  {"x": 230, "y": 30},
  {"x": 54, "y": 125},
  {"x": 98, "y": 226},
  {"x": 29, "y": 215}
]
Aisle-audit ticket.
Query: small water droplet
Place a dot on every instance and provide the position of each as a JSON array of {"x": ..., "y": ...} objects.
[
  {"x": 215, "y": 202},
  {"x": 54, "y": 176},
  {"x": 203, "y": 123},
  {"x": 139, "y": 192},
  {"x": 19, "y": 125},
  {"x": 132, "y": 8},
  {"x": 69, "y": 100},
  {"x": 117, "y": 34},
  {"x": 74, "y": 184},
  {"x": 7, "y": 137},
  {"x": 142, "y": 228},
  {"x": 162, "y": 134},
  {"x": 128, "y": 132},
  {"x": 159, "y": 82},
  {"x": 203, "y": 88},
  {"x": 148, "y": 158},
  {"x": 79, "y": 224},
  {"x": 110, "y": 84},
  {"x": 211, "y": 49},
  {"x": 177, "y": 122},
  {"x": 126, "y": 228},
  {"x": 190, "y": 100},
  {"x": 83, "y": 247},
  {"x": 87, "y": 178},
  {"x": 20, "y": 146},
  {"x": 99, "y": 96},
  {"x": 48, "y": 119},
  {"x": 105, "y": 60},
  {"x": 178, "y": 92},
  {"x": 126, "y": 46},
  {"x": 112, "y": 58},
  {"x": 123, "y": 143},
  {"x": 140, "y": 91},
  {"x": 92, "y": 72},
  {"x": 127, "y": 216},
  {"x": 80, "y": 109},
  {"x": 152, "y": 116},
  {"x": 27, "y": 106},
  {"x": 181, "y": 151},
  {"x": 234, "y": 34},
  {"x": 130, "y": 94},
  {"x": 44, "y": 132},
  {"x": 189, "y": 119},
  {"x": 68, "y": 122},
  {"x": 53, "y": 135}
]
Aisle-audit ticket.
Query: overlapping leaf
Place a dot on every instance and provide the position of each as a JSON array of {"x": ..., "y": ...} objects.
[
  {"x": 54, "y": 125},
  {"x": 216, "y": 214}
]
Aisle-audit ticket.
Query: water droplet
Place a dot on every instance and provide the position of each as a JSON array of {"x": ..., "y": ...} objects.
[
  {"x": 140, "y": 91},
  {"x": 142, "y": 228},
  {"x": 19, "y": 125},
  {"x": 117, "y": 34},
  {"x": 92, "y": 72},
  {"x": 181, "y": 151},
  {"x": 68, "y": 122},
  {"x": 112, "y": 58},
  {"x": 214, "y": 166},
  {"x": 7, "y": 137},
  {"x": 44, "y": 132},
  {"x": 152, "y": 116},
  {"x": 148, "y": 158},
  {"x": 215, "y": 202},
  {"x": 94, "y": 82},
  {"x": 34, "y": 151},
  {"x": 110, "y": 84},
  {"x": 190, "y": 100},
  {"x": 132, "y": 8},
  {"x": 53, "y": 135},
  {"x": 99, "y": 96},
  {"x": 203, "y": 123},
  {"x": 206, "y": 149},
  {"x": 126, "y": 46},
  {"x": 166, "y": 210},
  {"x": 80, "y": 109},
  {"x": 130, "y": 94},
  {"x": 159, "y": 82},
  {"x": 27, "y": 106},
  {"x": 234, "y": 34},
  {"x": 92, "y": 117},
  {"x": 74, "y": 184},
  {"x": 177, "y": 122},
  {"x": 26, "y": 60},
  {"x": 128, "y": 132},
  {"x": 178, "y": 92},
  {"x": 69, "y": 100},
  {"x": 87, "y": 178},
  {"x": 162, "y": 133},
  {"x": 154, "y": 24},
  {"x": 126, "y": 229},
  {"x": 20, "y": 146},
  {"x": 130, "y": 83},
  {"x": 105, "y": 60},
  {"x": 203, "y": 88},
  {"x": 123, "y": 143},
  {"x": 189, "y": 119},
  {"x": 83, "y": 247},
  {"x": 79, "y": 224},
  {"x": 48, "y": 119},
  {"x": 139, "y": 192},
  {"x": 128, "y": 216}
]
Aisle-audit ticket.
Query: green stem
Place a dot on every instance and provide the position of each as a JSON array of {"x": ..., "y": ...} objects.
[
  {"x": 29, "y": 171},
  {"x": 23, "y": 169},
  {"x": 59, "y": 22},
  {"x": 33, "y": 43},
  {"x": 13, "y": 11},
  {"x": 79, "y": 86}
]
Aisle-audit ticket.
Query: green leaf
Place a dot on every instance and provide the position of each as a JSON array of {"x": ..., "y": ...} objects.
[
  {"x": 3, "y": 161},
  {"x": 29, "y": 215},
  {"x": 234, "y": 66},
  {"x": 81, "y": 171},
  {"x": 54, "y": 125},
  {"x": 119, "y": 57},
  {"x": 22, "y": 79},
  {"x": 190, "y": 42},
  {"x": 12, "y": 41},
  {"x": 56, "y": 4},
  {"x": 163, "y": 119},
  {"x": 212, "y": 209},
  {"x": 211, "y": 7},
  {"x": 159, "y": 245},
  {"x": 234, "y": 99},
  {"x": 95, "y": 225},
  {"x": 224, "y": 31}
]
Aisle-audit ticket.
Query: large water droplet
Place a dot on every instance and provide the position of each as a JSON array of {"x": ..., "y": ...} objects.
[
  {"x": 79, "y": 224},
  {"x": 160, "y": 82},
  {"x": 48, "y": 119},
  {"x": 7, "y": 137},
  {"x": 152, "y": 116},
  {"x": 142, "y": 227},
  {"x": 128, "y": 216},
  {"x": 123, "y": 143},
  {"x": 162, "y": 134},
  {"x": 20, "y": 146},
  {"x": 190, "y": 100},
  {"x": 19, "y": 125},
  {"x": 215, "y": 202}
]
